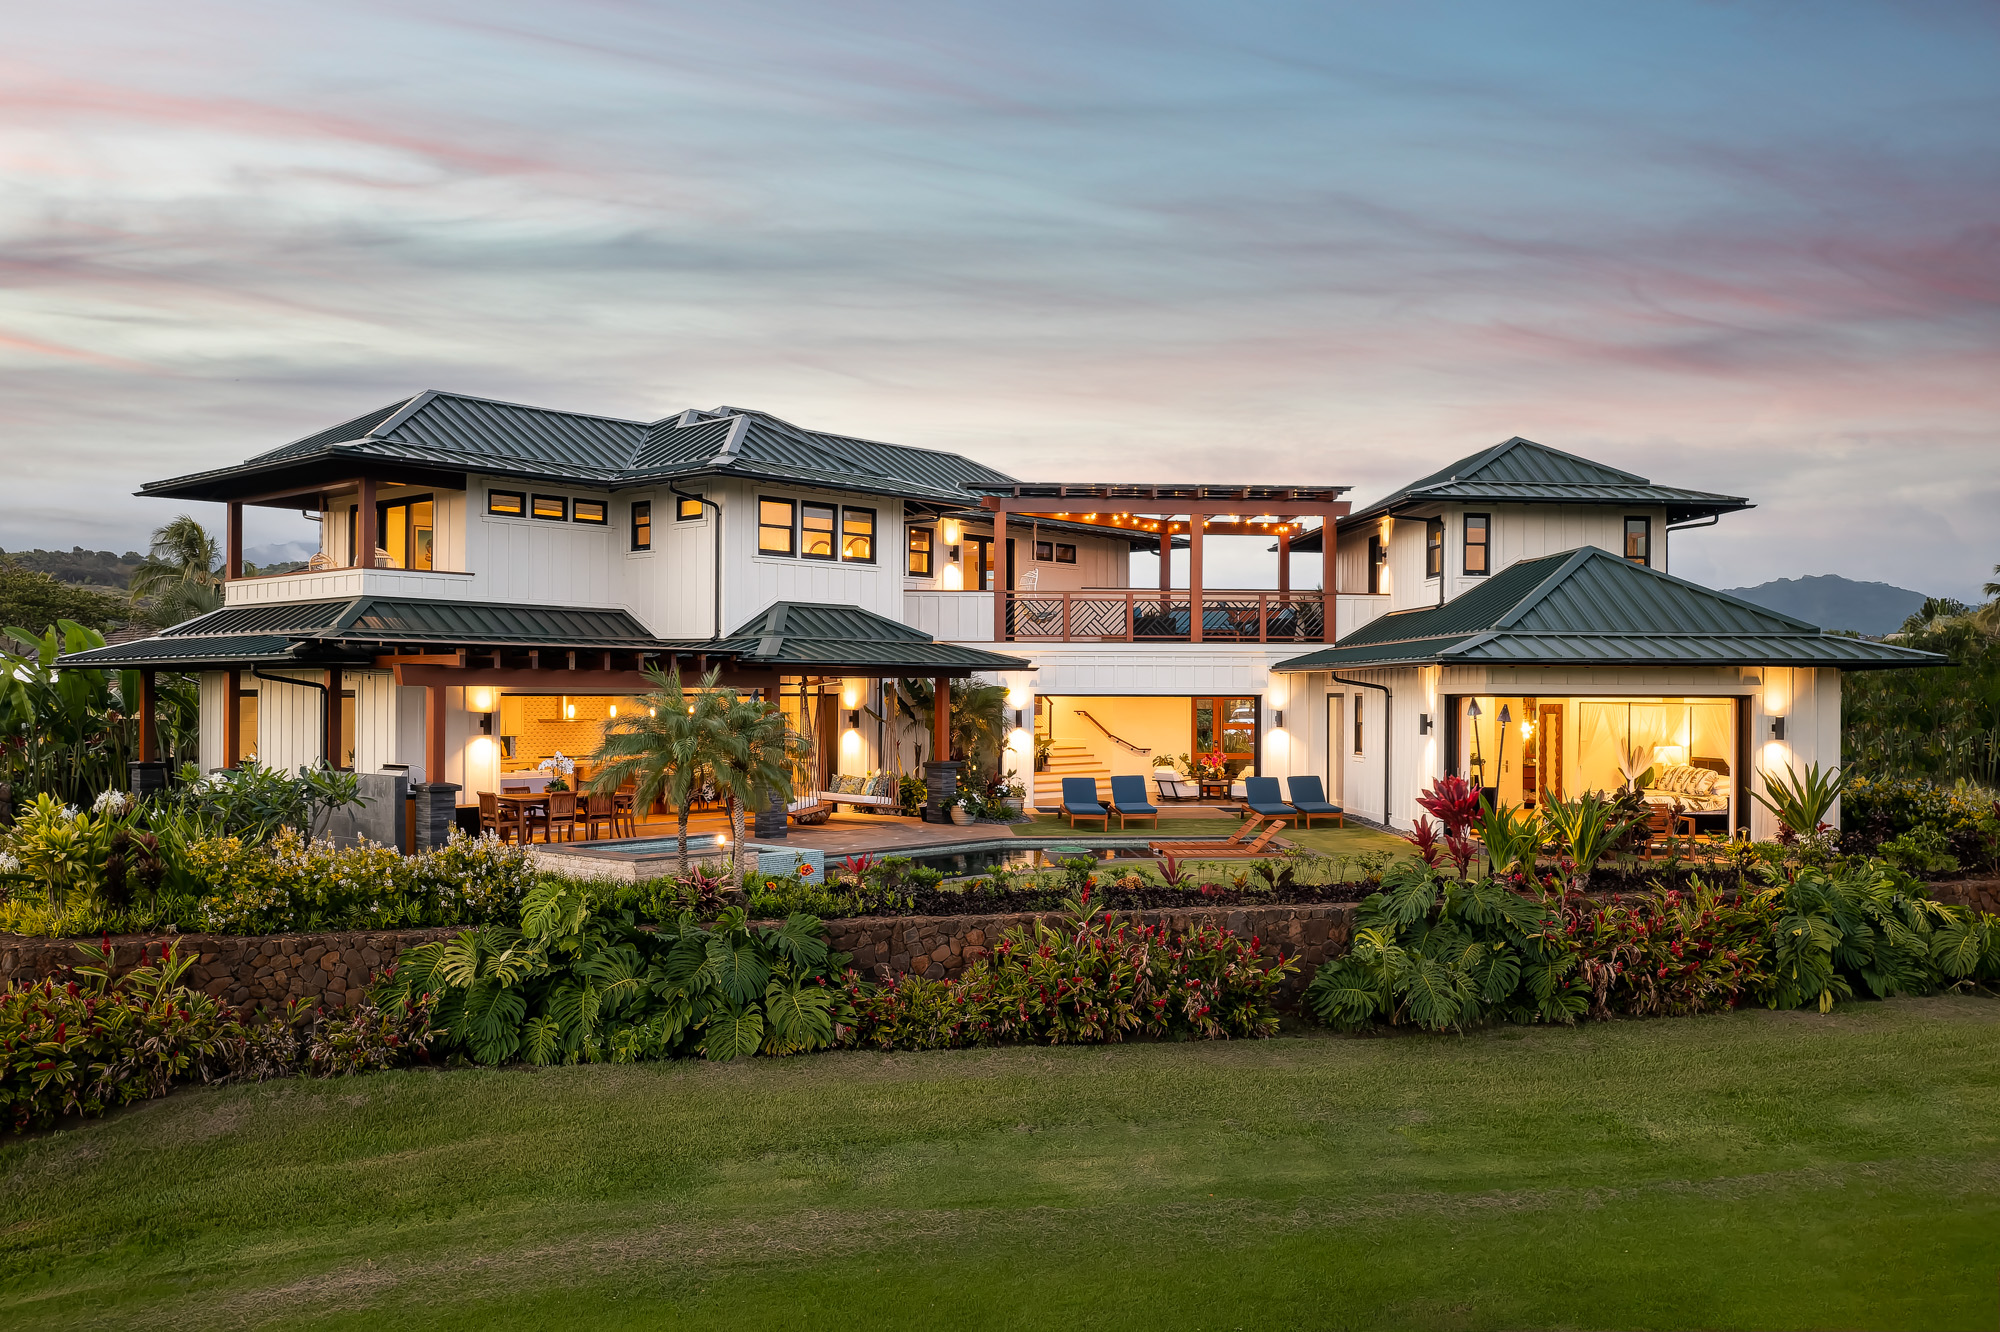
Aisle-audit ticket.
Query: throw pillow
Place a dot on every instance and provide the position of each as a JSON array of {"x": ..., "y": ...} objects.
[{"x": 883, "y": 785}]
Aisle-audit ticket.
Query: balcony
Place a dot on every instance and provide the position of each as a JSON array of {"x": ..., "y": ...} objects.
[
  {"x": 1145, "y": 616},
  {"x": 338, "y": 584}
]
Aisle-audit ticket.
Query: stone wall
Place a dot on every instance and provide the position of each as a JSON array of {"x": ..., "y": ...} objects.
[
  {"x": 246, "y": 972},
  {"x": 1981, "y": 894},
  {"x": 941, "y": 946}
]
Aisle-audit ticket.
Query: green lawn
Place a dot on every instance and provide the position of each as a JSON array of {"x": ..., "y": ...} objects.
[{"x": 1754, "y": 1170}]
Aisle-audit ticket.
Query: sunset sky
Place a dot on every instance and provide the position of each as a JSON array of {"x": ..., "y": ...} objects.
[{"x": 1740, "y": 247}]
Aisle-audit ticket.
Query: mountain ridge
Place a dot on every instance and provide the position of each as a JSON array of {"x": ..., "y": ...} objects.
[{"x": 1833, "y": 602}]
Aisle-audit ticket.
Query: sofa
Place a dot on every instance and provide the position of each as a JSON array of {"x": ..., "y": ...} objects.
[
  {"x": 1699, "y": 787},
  {"x": 1173, "y": 786},
  {"x": 877, "y": 791}
]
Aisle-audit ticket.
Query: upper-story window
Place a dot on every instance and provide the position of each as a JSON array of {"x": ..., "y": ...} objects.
[
  {"x": 1478, "y": 543},
  {"x": 919, "y": 543},
  {"x": 775, "y": 518},
  {"x": 405, "y": 530},
  {"x": 1375, "y": 566},
  {"x": 1639, "y": 540},
  {"x": 551, "y": 508},
  {"x": 857, "y": 535},
  {"x": 1434, "y": 548},
  {"x": 688, "y": 510},
  {"x": 1065, "y": 553},
  {"x": 642, "y": 524},
  {"x": 507, "y": 503},
  {"x": 816, "y": 531},
  {"x": 591, "y": 511}
]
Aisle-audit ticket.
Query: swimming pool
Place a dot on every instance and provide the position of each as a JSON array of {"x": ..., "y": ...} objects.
[{"x": 647, "y": 857}]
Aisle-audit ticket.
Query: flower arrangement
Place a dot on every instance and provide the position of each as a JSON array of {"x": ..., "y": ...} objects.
[{"x": 559, "y": 767}]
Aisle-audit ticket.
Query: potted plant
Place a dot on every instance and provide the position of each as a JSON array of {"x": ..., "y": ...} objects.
[
  {"x": 1044, "y": 746},
  {"x": 1011, "y": 793},
  {"x": 560, "y": 770},
  {"x": 968, "y": 806}
]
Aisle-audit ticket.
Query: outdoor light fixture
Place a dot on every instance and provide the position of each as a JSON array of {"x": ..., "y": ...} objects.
[
  {"x": 854, "y": 720},
  {"x": 1278, "y": 718},
  {"x": 1472, "y": 709},
  {"x": 486, "y": 723},
  {"x": 1423, "y": 723},
  {"x": 1777, "y": 728}
]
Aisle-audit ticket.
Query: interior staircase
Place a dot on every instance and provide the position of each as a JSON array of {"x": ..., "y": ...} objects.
[{"x": 1068, "y": 759}]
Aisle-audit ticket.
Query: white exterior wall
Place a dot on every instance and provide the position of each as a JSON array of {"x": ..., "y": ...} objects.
[
  {"x": 374, "y": 705},
  {"x": 1517, "y": 532},
  {"x": 752, "y": 581},
  {"x": 525, "y": 560},
  {"x": 289, "y": 719},
  {"x": 213, "y": 709},
  {"x": 951, "y": 617}
]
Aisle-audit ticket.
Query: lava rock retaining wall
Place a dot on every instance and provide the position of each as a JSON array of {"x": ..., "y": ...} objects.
[
  {"x": 246, "y": 972},
  {"x": 1980, "y": 894}
]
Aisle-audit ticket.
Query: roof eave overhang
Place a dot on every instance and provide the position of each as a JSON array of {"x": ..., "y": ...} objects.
[{"x": 284, "y": 480}]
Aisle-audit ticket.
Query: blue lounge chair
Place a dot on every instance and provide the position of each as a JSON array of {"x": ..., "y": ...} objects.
[
  {"x": 1079, "y": 801},
  {"x": 1261, "y": 795},
  {"x": 1128, "y": 801},
  {"x": 1309, "y": 799}
]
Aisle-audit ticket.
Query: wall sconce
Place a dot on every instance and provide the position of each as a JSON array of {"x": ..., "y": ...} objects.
[
  {"x": 854, "y": 720},
  {"x": 951, "y": 554},
  {"x": 1017, "y": 719},
  {"x": 1423, "y": 723},
  {"x": 1382, "y": 553},
  {"x": 1778, "y": 728},
  {"x": 1278, "y": 718},
  {"x": 486, "y": 723}
]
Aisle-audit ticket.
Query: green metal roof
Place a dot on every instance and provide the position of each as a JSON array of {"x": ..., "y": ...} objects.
[
  {"x": 1520, "y": 471},
  {"x": 454, "y": 432},
  {"x": 798, "y": 635},
  {"x": 807, "y": 635},
  {"x": 1589, "y": 607}
]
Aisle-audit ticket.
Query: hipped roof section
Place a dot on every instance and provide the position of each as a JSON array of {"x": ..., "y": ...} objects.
[
  {"x": 1589, "y": 607},
  {"x": 434, "y": 433},
  {"x": 1520, "y": 471}
]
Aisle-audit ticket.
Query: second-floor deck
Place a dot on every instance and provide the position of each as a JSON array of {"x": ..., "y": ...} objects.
[{"x": 1139, "y": 615}]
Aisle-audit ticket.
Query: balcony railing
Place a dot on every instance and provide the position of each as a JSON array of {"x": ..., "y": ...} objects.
[{"x": 1164, "y": 617}]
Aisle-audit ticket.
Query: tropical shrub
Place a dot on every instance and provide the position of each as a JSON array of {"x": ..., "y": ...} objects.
[
  {"x": 83, "y": 1043},
  {"x": 1800, "y": 801},
  {"x": 577, "y": 984},
  {"x": 1875, "y": 810},
  {"x": 1929, "y": 723},
  {"x": 253, "y": 802},
  {"x": 1090, "y": 978},
  {"x": 1441, "y": 954},
  {"x": 1671, "y": 954},
  {"x": 290, "y": 884},
  {"x": 72, "y": 733},
  {"x": 1855, "y": 928}
]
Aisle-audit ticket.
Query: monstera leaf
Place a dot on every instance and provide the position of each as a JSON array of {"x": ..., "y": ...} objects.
[
  {"x": 799, "y": 1017},
  {"x": 729, "y": 1034}
]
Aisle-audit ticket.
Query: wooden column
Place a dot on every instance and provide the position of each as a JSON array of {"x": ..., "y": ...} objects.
[
  {"x": 940, "y": 720},
  {"x": 232, "y": 723},
  {"x": 1328, "y": 539},
  {"x": 331, "y": 741},
  {"x": 1195, "y": 523},
  {"x": 149, "y": 706},
  {"x": 366, "y": 537},
  {"x": 232, "y": 547},
  {"x": 1000, "y": 573},
  {"x": 1166, "y": 557},
  {"x": 434, "y": 703},
  {"x": 1285, "y": 562}
]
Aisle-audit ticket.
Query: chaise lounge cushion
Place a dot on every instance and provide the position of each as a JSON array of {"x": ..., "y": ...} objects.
[
  {"x": 1261, "y": 794},
  {"x": 1080, "y": 797},
  {"x": 1309, "y": 797},
  {"x": 1128, "y": 796}
]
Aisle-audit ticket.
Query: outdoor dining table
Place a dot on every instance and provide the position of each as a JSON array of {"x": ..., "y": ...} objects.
[{"x": 523, "y": 801}]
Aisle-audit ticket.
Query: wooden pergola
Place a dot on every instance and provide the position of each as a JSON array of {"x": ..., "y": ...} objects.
[{"x": 1167, "y": 512}]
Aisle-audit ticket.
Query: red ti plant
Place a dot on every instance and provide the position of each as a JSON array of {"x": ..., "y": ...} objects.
[
  {"x": 1423, "y": 835},
  {"x": 1455, "y": 801}
]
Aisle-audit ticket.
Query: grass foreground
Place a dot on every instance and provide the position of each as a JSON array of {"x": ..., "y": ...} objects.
[{"x": 1751, "y": 1170}]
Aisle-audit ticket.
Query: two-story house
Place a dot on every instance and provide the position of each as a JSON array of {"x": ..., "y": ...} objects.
[{"x": 493, "y": 579}]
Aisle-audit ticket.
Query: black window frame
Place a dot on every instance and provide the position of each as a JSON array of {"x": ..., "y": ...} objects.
[
  {"x": 603, "y": 518},
  {"x": 874, "y": 534},
  {"x": 929, "y": 552},
  {"x": 1045, "y": 552},
  {"x": 534, "y": 501},
  {"x": 688, "y": 509},
  {"x": 642, "y": 517},
  {"x": 1434, "y": 548},
  {"x": 1375, "y": 548},
  {"x": 832, "y": 512},
  {"x": 1485, "y": 544},
  {"x": 1646, "y": 521},
  {"x": 1062, "y": 546},
  {"x": 1359, "y": 750},
  {"x": 520, "y": 498},
  {"x": 791, "y": 549}
]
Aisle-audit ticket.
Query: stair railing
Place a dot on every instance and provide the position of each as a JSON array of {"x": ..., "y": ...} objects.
[{"x": 1115, "y": 739}]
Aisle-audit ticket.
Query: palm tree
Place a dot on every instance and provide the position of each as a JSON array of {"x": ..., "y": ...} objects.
[
  {"x": 755, "y": 750},
  {"x": 182, "y": 573},
  {"x": 665, "y": 746},
  {"x": 1987, "y": 617},
  {"x": 978, "y": 715}
]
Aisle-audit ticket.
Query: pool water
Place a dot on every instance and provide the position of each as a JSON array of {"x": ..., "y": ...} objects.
[{"x": 1012, "y": 853}]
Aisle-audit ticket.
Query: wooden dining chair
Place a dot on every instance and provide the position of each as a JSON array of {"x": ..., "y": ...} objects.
[
  {"x": 503, "y": 821},
  {"x": 597, "y": 809},
  {"x": 561, "y": 813},
  {"x": 625, "y": 810}
]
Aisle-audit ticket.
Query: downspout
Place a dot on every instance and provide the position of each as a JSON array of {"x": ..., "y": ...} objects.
[
  {"x": 703, "y": 499},
  {"x": 325, "y": 701},
  {"x": 1388, "y": 721},
  {"x": 1667, "y": 551}
]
